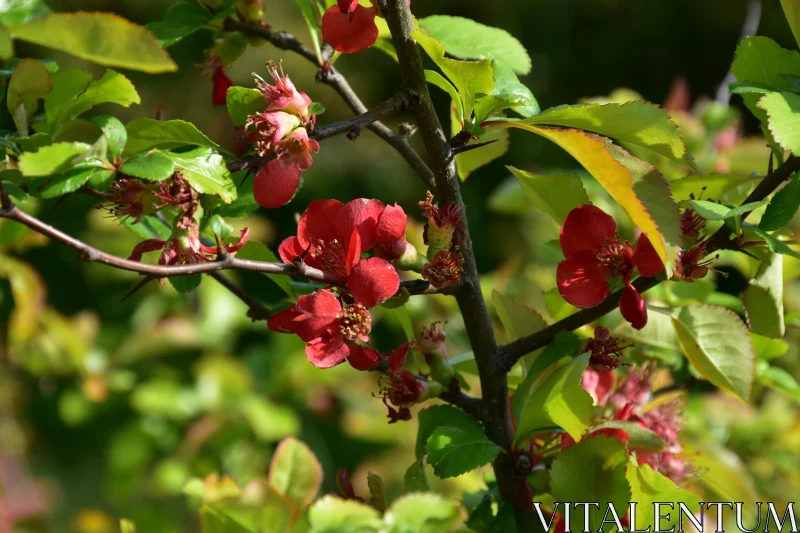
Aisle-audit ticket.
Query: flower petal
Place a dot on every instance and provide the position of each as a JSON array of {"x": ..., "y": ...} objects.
[
  {"x": 580, "y": 281},
  {"x": 632, "y": 307},
  {"x": 646, "y": 258},
  {"x": 275, "y": 184},
  {"x": 285, "y": 321},
  {"x": 373, "y": 281},
  {"x": 221, "y": 84},
  {"x": 391, "y": 225},
  {"x": 353, "y": 251},
  {"x": 316, "y": 223},
  {"x": 398, "y": 357},
  {"x": 585, "y": 228},
  {"x": 350, "y": 33},
  {"x": 362, "y": 214},
  {"x": 347, "y": 6},
  {"x": 327, "y": 352},
  {"x": 320, "y": 310},
  {"x": 290, "y": 249},
  {"x": 363, "y": 357},
  {"x": 148, "y": 245}
]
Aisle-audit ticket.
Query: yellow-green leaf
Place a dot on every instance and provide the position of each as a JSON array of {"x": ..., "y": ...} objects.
[
  {"x": 556, "y": 195},
  {"x": 763, "y": 299},
  {"x": 783, "y": 113},
  {"x": 29, "y": 82},
  {"x": 647, "y": 487},
  {"x": 103, "y": 38}
]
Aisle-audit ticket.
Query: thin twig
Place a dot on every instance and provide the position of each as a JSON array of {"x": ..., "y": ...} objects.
[
  {"x": 332, "y": 77},
  {"x": 511, "y": 353}
]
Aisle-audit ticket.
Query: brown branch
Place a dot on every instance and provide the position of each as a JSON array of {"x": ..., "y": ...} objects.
[
  {"x": 227, "y": 262},
  {"x": 330, "y": 76},
  {"x": 511, "y": 353},
  {"x": 494, "y": 385}
]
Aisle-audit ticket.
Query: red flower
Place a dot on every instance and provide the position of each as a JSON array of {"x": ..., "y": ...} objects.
[
  {"x": 330, "y": 330},
  {"x": 265, "y": 130},
  {"x": 335, "y": 234},
  {"x": 598, "y": 384},
  {"x": 276, "y": 183},
  {"x": 594, "y": 254},
  {"x": 283, "y": 96},
  {"x": 350, "y": 28},
  {"x": 221, "y": 84},
  {"x": 131, "y": 199}
]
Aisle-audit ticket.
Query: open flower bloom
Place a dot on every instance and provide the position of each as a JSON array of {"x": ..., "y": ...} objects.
[
  {"x": 276, "y": 183},
  {"x": 335, "y": 234},
  {"x": 594, "y": 253},
  {"x": 283, "y": 96}
]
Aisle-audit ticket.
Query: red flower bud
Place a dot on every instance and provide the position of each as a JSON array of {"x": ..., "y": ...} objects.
[{"x": 632, "y": 307}]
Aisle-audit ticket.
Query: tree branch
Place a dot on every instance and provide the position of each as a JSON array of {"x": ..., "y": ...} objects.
[
  {"x": 511, "y": 353},
  {"x": 330, "y": 76},
  {"x": 494, "y": 385}
]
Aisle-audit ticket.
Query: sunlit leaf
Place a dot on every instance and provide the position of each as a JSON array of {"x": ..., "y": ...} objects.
[
  {"x": 424, "y": 513},
  {"x": 436, "y": 416},
  {"x": 242, "y": 102},
  {"x": 295, "y": 472},
  {"x": 763, "y": 299},
  {"x": 147, "y": 133},
  {"x": 51, "y": 159},
  {"x": 783, "y": 113},
  {"x": 335, "y": 515},
  {"x": 647, "y": 487},
  {"x": 205, "y": 170},
  {"x": 782, "y": 207},
  {"x": 29, "y": 82},
  {"x": 556, "y": 195},
  {"x": 154, "y": 165}
]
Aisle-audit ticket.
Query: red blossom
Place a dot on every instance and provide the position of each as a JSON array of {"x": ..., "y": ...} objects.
[
  {"x": 283, "y": 96},
  {"x": 599, "y": 385},
  {"x": 276, "y": 183},
  {"x": 693, "y": 264},
  {"x": 265, "y": 130},
  {"x": 595, "y": 253},
  {"x": 335, "y": 235},
  {"x": 350, "y": 30},
  {"x": 221, "y": 84},
  {"x": 445, "y": 269}
]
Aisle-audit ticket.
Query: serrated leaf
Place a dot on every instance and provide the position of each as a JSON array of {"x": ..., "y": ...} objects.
[
  {"x": 439, "y": 415},
  {"x": 761, "y": 60},
  {"x": 153, "y": 165},
  {"x": 776, "y": 245},
  {"x": 51, "y": 159},
  {"x": 29, "y": 82},
  {"x": 555, "y": 398},
  {"x": 434, "y": 78},
  {"x": 453, "y": 451},
  {"x": 517, "y": 318},
  {"x": 295, "y": 472},
  {"x": 309, "y": 15},
  {"x": 783, "y": 118},
  {"x": 334, "y": 515},
  {"x": 556, "y": 195},
  {"x": 469, "y": 77},
  {"x": 102, "y": 38},
  {"x": 257, "y": 251},
  {"x": 424, "y": 513},
  {"x": 415, "y": 479},
  {"x": 638, "y": 437},
  {"x": 592, "y": 151},
  {"x": 66, "y": 183},
  {"x": 763, "y": 299},
  {"x": 658, "y": 331},
  {"x": 206, "y": 172},
  {"x": 592, "y": 470},
  {"x": 467, "y": 39},
  {"x": 115, "y": 132},
  {"x": 508, "y": 93},
  {"x": 782, "y": 207},
  {"x": 749, "y": 87},
  {"x": 147, "y": 133},
  {"x": 718, "y": 344},
  {"x": 242, "y": 102},
  {"x": 377, "y": 491},
  {"x": 647, "y": 487},
  {"x": 715, "y": 211},
  {"x": 639, "y": 123},
  {"x": 181, "y": 20}
]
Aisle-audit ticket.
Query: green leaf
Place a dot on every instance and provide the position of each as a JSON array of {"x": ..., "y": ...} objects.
[
  {"x": 469, "y": 162},
  {"x": 761, "y": 60},
  {"x": 147, "y": 133},
  {"x": 517, "y": 318},
  {"x": 715, "y": 211},
  {"x": 782, "y": 207},
  {"x": 508, "y": 93},
  {"x": 29, "y": 82},
  {"x": 377, "y": 491},
  {"x": 206, "y": 172},
  {"x": 749, "y": 87},
  {"x": 453, "y": 451},
  {"x": 596, "y": 155},
  {"x": 638, "y": 437},
  {"x": 102, "y": 38},
  {"x": 434, "y": 78},
  {"x": 469, "y": 77},
  {"x": 219, "y": 227},
  {"x": 716, "y": 185},
  {"x": 592, "y": 470},
  {"x": 307, "y": 9},
  {"x": 101, "y": 179},
  {"x": 780, "y": 380},
  {"x": 556, "y": 195},
  {"x": 51, "y": 159},
  {"x": 229, "y": 48},
  {"x": 647, "y": 487},
  {"x": 148, "y": 228},
  {"x": 433, "y": 417},
  {"x": 718, "y": 344},
  {"x": 783, "y": 114},
  {"x": 68, "y": 182},
  {"x": 424, "y": 513},
  {"x": 763, "y": 299},
  {"x": 154, "y": 165},
  {"x": 415, "y": 479},
  {"x": 185, "y": 284},
  {"x": 775, "y": 244},
  {"x": 181, "y": 20},
  {"x": 269, "y": 421},
  {"x": 334, "y": 515},
  {"x": 115, "y": 132},
  {"x": 113, "y": 88},
  {"x": 19, "y": 11},
  {"x": 316, "y": 108},
  {"x": 257, "y": 251},
  {"x": 555, "y": 398},
  {"x": 295, "y": 472},
  {"x": 67, "y": 85},
  {"x": 6, "y": 45},
  {"x": 467, "y": 39},
  {"x": 791, "y": 9},
  {"x": 639, "y": 123},
  {"x": 242, "y": 102}
]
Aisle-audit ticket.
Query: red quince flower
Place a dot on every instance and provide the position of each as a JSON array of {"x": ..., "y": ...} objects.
[
  {"x": 265, "y": 130},
  {"x": 442, "y": 223},
  {"x": 283, "y": 96},
  {"x": 335, "y": 235},
  {"x": 594, "y": 254},
  {"x": 350, "y": 28},
  {"x": 693, "y": 264},
  {"x": 276, "y": 183},
  {"x": 599, "y": 385},
  {"x": 221, "y": 83},
  {"x": 184, "y": 247}
]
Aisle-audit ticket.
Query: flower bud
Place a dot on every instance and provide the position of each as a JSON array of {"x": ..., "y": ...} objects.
[
  {"x": 442, "y": 223},
  {"x": 445, "y": 269},
  {"x": 632, "y": 307}
]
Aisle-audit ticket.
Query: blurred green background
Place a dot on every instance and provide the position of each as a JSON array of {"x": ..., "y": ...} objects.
[{"x": 108, "y": 407}]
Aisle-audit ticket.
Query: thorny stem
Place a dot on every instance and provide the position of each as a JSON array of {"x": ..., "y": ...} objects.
[
  {"x": 494, "y": 385},
  {"x": 332, "y": 77},
  {"x": 511, "y": 353}
]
